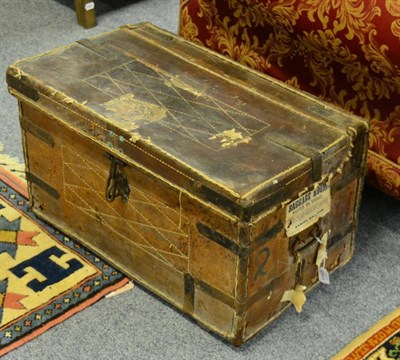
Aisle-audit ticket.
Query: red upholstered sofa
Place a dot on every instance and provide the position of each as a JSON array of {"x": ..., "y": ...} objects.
[{"x": 346, "y": 52}]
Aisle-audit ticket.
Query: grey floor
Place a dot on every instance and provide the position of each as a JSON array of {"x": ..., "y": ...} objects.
[{"x": 136, "y": 325}]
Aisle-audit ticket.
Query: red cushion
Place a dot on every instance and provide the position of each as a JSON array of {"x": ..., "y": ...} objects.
[{"x": 345, "y": 52}]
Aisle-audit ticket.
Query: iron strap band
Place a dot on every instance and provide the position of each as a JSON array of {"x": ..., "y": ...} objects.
[
  {"x": 35, "y": 130},
  {"x": 313, "y": 154},
  {"x": 97, "y": 49},
  {"x": 241, "y": 251},
  {"x": 190, "y": 286},
  {"x": 188, "y": 304},
  {"x": 22, "y": 87},
  {"x": 43, "y": 185}
]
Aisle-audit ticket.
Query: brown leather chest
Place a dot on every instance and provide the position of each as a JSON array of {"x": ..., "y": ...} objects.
[{"x": 221, "y": 190}]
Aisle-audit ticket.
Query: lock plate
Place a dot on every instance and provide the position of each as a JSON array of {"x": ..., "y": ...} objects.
[{"x": 117, "y": 182}]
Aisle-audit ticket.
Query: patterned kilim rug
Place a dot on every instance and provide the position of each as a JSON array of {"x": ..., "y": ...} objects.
[
  {"x": 381, "y": 342},
  {"x": 45, "y": 277}
]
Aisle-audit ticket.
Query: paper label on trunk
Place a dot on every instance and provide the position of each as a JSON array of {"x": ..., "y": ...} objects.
[
  {"x": 307, "y": 209},
  {"x": 297, "y": 297}
]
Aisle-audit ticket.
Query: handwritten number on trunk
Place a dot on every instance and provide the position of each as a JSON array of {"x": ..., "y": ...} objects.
[{"x": 262, "y": 256}]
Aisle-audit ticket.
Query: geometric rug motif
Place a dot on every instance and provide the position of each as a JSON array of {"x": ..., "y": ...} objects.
[
  {"x": 45, "y": 277},
  {"x": 381, "y": 342}
]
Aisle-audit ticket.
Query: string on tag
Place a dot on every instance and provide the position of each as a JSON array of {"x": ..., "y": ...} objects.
[
  {"x": 323, "y": 275},
  {"x": 322, "y": 255}
]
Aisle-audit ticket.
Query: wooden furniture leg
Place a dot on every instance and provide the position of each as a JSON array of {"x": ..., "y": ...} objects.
[{"x": 85, "y": 13}]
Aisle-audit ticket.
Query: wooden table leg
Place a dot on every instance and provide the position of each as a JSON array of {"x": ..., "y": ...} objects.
[{"x": 85, "y": 13}]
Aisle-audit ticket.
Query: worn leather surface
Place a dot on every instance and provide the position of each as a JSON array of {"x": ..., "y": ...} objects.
[{"x": 211, "y": 118}]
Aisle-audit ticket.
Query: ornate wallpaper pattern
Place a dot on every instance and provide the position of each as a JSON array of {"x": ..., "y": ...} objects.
[{"x": 344, "y": 51}]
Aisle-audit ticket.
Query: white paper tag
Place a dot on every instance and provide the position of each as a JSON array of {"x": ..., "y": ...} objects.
[
  {"x": 89, "y": 6},
  {"x": 323, "y": 276},
  {"x": 307, "y": 209}
]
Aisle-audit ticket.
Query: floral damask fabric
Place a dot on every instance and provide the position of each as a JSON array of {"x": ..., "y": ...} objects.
[{"x": 346, "y": 52}]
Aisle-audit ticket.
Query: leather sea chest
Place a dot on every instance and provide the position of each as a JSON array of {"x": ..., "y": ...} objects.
[{"x": 223, "y": 191}]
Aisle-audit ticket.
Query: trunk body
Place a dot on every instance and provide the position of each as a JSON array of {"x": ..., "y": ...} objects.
[{"x": 208, "y": 183}]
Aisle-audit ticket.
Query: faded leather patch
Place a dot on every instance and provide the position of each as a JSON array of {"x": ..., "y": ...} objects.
[
  {"x": 130, "y": 113},
  {"x": 175, "y": 83},
  {"x": 230, "y": 138}
]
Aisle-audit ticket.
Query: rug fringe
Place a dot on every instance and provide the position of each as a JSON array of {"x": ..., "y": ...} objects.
[{"x": 130, "y": 285}]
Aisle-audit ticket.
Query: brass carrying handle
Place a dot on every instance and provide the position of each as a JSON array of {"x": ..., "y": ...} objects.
[{"x": 117, "y": 182}]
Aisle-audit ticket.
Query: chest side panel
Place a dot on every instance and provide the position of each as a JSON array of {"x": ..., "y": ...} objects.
[{"x": 279, "y": 263}]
